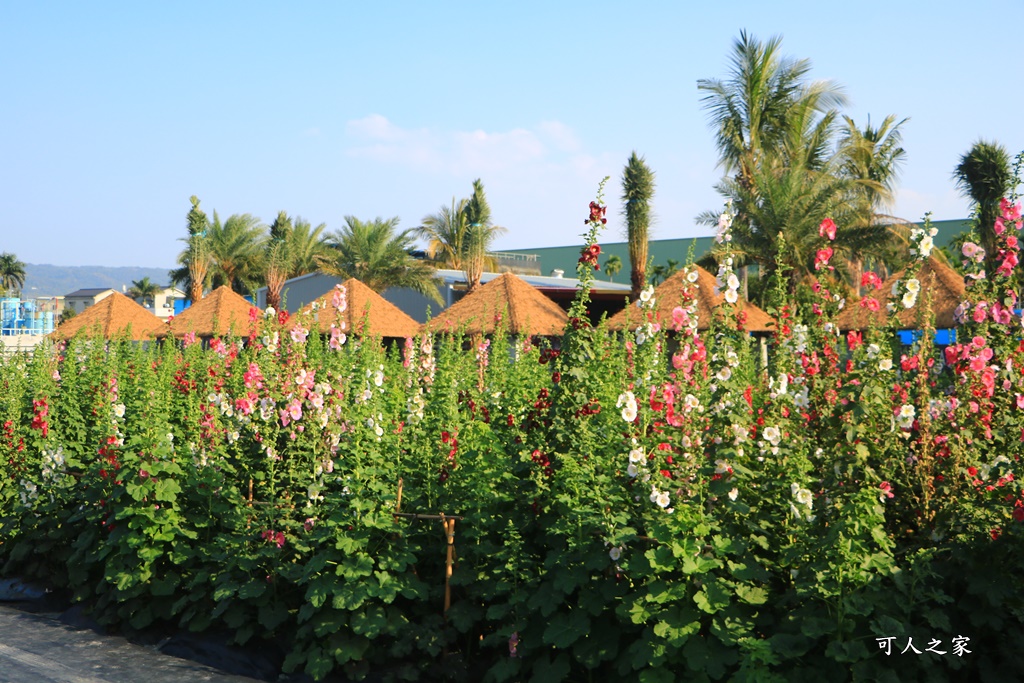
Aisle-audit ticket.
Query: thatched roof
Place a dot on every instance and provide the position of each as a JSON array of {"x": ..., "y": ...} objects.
[
  {"x": 943, "y": 285},
  {"x": 384, "y": 319},
  {"x": 219, "y": 313},
  {"x": 525, "y": 310},
  {"x": 110, "y": 317},
  {"x": 668, "y": 295}
]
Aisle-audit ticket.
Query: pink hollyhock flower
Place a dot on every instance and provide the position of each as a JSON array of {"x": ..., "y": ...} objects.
[
  {"x": 1000, "y": 227},
  {"x": 980, "y": 312},
  {"x": 869, "y": 303},
  {"x": 299, "y": 334},
  {"x": 295, "y": 409},
  {"x": 978, "y": 341},
  {"x": 679, "y": 317},
  {"x": 870, "y": 279},
  {"x": 189, "y": 340},
  {"x": 337, "y": 338},
  {"x": 822, "y": 257},
  {"x": 886, "y": 489},
  {"x": 827, "y": 229},
  {"x": 338, "y": 299},
  {"x": 1010, "y": 211}
]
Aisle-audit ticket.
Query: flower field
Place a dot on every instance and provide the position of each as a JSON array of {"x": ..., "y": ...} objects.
[{"x": 657, "y": 507}]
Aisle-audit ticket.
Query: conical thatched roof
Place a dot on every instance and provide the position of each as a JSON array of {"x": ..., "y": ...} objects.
[
  {"x": 383, "y": 320},
  {"x": 668, "y": 295},
  {"x": 221, "y": 312},
  {"x": 110, "y": 317},
  {"x": 525, "y": 310},
  {"x": 943, "y": 285}
]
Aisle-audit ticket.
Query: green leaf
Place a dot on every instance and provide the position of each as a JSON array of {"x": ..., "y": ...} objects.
[
  {"x": 566, "y": 628},
  {"x": 712, "y": 597}
]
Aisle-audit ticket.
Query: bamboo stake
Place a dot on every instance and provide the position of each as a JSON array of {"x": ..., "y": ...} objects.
[
  {"x": 412, "y": 515},
  {"x": 398, "y": 502},
  {"x": 250, "y": 491},
  {"x": 449, "y": 527}
]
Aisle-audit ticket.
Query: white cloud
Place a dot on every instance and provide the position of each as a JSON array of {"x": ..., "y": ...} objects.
[{"x": 461, "y": 153}]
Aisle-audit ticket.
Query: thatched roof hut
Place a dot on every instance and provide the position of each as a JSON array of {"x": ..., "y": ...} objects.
[
  {"x": 525, "y": 311},
  {"x": 940, "y": 283},
  {"x": 367, "y": 313},
  {"x": 220, "y": 313},
  {"x": 111, "y": 317},
  {"x": 668, "y": 295}
]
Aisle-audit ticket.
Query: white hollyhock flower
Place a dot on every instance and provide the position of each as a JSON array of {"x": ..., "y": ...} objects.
[
  {"x": 731, "y": 296},
  {"x": 773, "y": 435},
  {"x": 119, "y": 410},
  {"x": 691, "y": 277},
  {"x": 724, "y": 374},
  {"x": 913, "y": 285},
  {"x": 663, "y": 500},
  {"x": 734, "y": 494},
  {"x": 636, "y": 455},
  {"x": 909, "y": 299},
  {"x": 615, "y": 554},
  {"x": 885, "y": 364}
]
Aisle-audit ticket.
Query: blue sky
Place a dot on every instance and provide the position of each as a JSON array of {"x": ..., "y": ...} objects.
[{"x": 113, "y": 114}]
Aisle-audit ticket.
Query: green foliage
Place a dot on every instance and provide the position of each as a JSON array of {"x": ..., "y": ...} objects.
[{"x": 656, "y": 506}]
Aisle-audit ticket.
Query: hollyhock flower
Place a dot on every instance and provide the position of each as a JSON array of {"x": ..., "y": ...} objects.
[
  {"x": 724, "y": 374},
  {"x": 734, "y": 494},
  {"x": 827, "y": 229},
  {"x": 980, "y": 312},
  {"x": 1010, "y": 210},
  {"x": 886, "y": 489},
  {"x": 731, "y": 296},
  {"x": 662, "y": 499},
  {"x": 295, "y": 409},
  {"x": 885, "y": 364},
  {"x": 999, "y": 226},
  {"x": 338, "y": 299},
  {"x": 909, "y": 299},
  {"x": 338, "y": 338},
  {"x": 647, "y": 294},
  {"x": 119, "y": 409},
  {"x": 870, "y": 279},
  {"x": 869, "y": 303},
  {"x": 802, "y": 496},
  {"x": 299, "y": 334},
  {"x": 822, "y": 257}
]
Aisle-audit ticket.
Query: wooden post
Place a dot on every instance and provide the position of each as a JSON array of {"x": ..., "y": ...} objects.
[
  {"x": 250, "y": 491},
  {"x": 449, "y": 528},
  {"x": 398, "y": 501}
]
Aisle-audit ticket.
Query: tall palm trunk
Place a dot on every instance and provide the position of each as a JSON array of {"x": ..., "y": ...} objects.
[{"x": 637, "y": 191}]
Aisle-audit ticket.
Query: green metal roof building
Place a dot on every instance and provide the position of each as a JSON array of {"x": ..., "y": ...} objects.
[{"x": 549, "y": 259}]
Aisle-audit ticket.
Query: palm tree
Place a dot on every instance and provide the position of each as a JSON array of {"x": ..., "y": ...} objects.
[
  {"x": 235, "y": 246},
  {"x": 460, "y": 236},
  {"x": 480, "y": 233},
  {"x": 194, "y": 261},
  {"x": 753, "y": 111},
  {"x": 612, "y": 266},
  {"x": 637, "y": 191},
  {"x": 445, "y": 233},
  {"x": 790, "y": 194},
  {"x": 873, "y": 156},
  {"x": 983, "y": 175},
  {"x": 145, "y": 290},
  {"x": 378, "y": 256},
  {"x": 294, "y": 248},
  {"x": 12, "y": 272}
]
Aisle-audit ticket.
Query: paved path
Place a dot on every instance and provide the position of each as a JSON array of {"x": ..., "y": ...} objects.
[{"x": 36, "y": 648}]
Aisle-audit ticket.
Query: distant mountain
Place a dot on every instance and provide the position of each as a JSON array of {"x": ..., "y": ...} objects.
[{"x": 47, "y": 280}]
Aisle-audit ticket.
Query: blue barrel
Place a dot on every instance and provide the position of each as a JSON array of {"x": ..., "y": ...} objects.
[{"x": 47, "y": 322}]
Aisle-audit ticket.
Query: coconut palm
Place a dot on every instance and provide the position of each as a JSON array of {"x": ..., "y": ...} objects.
[
  {"x": 445, "y": 233},
  {"x": 984, "y": 176},
  {"x": 294, "y": 248},
  {"x": 461, "y": 235},
  {"x": 874, "y": 156},
  {"x": 235, "y": 246},
  {"x": 637, "y": 191},
  {"x": 612, "y": 266},
  {"x": 792, "y": 194},
  {"x": 752, "y": 112},
  {"x": 144, "y": 290},
  {"x": 12, "y": 272},
  {"x": 378, "y": 256}
]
